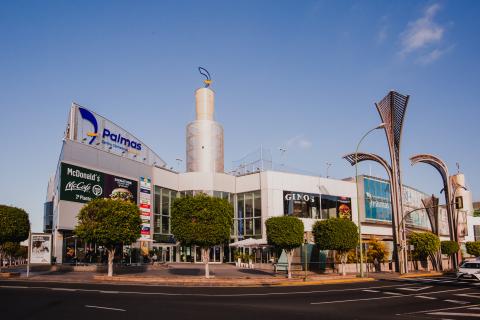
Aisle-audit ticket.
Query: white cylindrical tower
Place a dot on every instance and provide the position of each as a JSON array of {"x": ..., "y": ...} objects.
[{"x": 204, "y": 136}]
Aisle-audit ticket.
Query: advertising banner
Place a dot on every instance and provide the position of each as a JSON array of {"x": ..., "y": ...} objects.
[
  {"x": 41, "y": 248},
  {"x": 98, "y": 132},
  {"x": 79, "y": 184},
  {"x": 301, "y": 204},
  {"x": 145, "y": 206}
]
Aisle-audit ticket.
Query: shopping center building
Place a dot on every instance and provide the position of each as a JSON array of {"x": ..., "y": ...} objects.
[{"x": 99, "y": 158}]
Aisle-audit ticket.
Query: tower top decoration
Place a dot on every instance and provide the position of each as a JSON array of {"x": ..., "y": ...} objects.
[{"x": 204, "y": 72}]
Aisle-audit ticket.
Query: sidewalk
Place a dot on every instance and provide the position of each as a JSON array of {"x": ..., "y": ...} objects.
[{"x": 194, "y": 275}]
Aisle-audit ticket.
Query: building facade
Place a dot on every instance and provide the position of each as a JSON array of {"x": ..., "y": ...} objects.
[{"x": 99, "y": 158}]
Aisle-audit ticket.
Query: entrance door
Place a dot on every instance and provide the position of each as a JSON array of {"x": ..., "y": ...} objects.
[{"x": 215, "y": 254}]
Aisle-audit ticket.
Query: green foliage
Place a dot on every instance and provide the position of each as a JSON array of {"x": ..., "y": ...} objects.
[
  {"x": 244, "y": 257},
  {"x": 476, "y": 213},
  {"x": 377, "y": 251},
  {"x": 11, "y": 248},
  {"x": 473, "y": 248},
  {"x": 14, "y": 224},
  {"x": 336, "y": 234},
  {"x": 202, "y": 220},
  {"x": 425, "y": 244},
  {"x": 109, "y": 222},
  {"x": 285, "y": 232},
  {"x": 449, "y": 247}
]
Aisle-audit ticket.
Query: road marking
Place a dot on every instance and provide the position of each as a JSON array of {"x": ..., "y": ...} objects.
[
  {"x": 389, "y": 297},
  {"x": 470, "y": 295},
  {"x": 415, "y": 288},
  {"x": 63, "y": 289},
  {"x": 457, "y": 301},
  {"x": 14, "y": 287},
  {"x": 426, "y": 297},
  {"x": 105, "y": 308},
  {"x": 220, "y": 295},
  {"x": 436, "y": 310},
  {"x": 368, "y": 290},
  {"x": 394, "y": 293},
  {"x": 353, "y": 300},
  {"x": 474, "y": 308},
  {"x": 457, "y": 314}
]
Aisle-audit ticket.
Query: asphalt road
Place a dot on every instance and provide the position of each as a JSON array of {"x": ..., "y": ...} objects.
[{"x": 437, "y": 298}]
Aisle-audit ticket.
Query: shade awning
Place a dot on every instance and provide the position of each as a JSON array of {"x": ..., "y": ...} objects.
[{"x": 249, "y": 243}]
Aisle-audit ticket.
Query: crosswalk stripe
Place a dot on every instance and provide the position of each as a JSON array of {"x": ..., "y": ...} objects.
[{"x": 457, "y": 301}]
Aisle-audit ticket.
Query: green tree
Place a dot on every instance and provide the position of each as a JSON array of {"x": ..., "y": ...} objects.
[
  {"x": 203, "y": 221},
  {"x": 426, "y": 244},
  {"x": 14, "y": 226},
  {"x": 109, "y": 223},
  {"x": 286, "y": 233},
  {"x": 449, "y": 248},
  {"x": 473, "y": 248},
  {"x": 337, "y": 234},
  {"x": 377, "y": 253}
]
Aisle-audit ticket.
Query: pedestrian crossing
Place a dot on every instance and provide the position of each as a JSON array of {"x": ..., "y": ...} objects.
[{"x": 442, "y": 280}]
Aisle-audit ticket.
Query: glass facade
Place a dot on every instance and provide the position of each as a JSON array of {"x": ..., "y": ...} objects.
[
  {"x": 336, "y": 207},
  {"x": 163, "y": 199},
  {"x": 301, "y": 205},
  {"x": 378, "y": 204},
  {"x": 248, "y": 215}
]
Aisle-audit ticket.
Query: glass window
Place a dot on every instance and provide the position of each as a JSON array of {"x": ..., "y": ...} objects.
[
  {"x": 334, "y": 207},
  {"x": 302, "y": 205},
  {"x": 165, "y": 224},
  {"x": 248, "y": 205},
  {"x": 257, "y": 204},
  {"x": 156, "y": 200},
  {"x": 476, "y": 232},
  {"x": 248, "y": 227},
  {"x": 258, "y": 226},
  {"x": 165, "y": 202}
]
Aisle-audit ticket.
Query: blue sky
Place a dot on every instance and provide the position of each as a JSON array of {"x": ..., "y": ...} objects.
[{"x": 300, "y": 74}]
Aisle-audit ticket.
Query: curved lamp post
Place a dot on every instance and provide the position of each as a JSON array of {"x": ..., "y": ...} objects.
[
  {"x": 381, "y": 126},
  {"x": 442, "y": 169},
  {"x": 354, "y": 158}
]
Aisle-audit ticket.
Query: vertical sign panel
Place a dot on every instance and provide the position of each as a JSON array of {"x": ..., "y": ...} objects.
[
  {"x": 145, "y": 206},
  {"x": 41, "y": 248}
]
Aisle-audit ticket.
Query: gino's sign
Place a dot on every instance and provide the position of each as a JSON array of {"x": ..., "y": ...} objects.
[{"x": 109, "y": 136}]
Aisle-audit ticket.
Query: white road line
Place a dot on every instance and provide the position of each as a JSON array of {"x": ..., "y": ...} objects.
[
  {"x": 457, "y": 301},
  {"x": 105, "y": 308},
  {"x": 389, "y": 297},
  {"x": 474, "y": 308},
  {"x": 368, "y": 290},
  {"x": 63, "y": 289},
  {"x": 14, "y": 287},
  {"x": 436, "y": 310},
  {"x": 221, "y": 295},
  {"x": 415, "y": 288},
  {"x": 354, "y": 300},
  {"x": 394, "y": 293},
  {"x": 456, "y": 314},
  {"x": 426, "y": 297}
]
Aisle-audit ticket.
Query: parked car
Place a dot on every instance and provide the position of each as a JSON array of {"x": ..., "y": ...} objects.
[{"x": 469, "y": 270}]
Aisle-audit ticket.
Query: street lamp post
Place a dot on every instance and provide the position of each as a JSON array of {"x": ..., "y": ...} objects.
[{"x": 381, "y": 126}]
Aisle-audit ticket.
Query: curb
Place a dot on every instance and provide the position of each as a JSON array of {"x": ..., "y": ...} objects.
[
  {"x": 226, "y": 282},
  {"x": 421, "y": 275}
]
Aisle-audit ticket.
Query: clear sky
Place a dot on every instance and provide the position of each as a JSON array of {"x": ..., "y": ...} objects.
[{"x": 299, "y": 74}]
